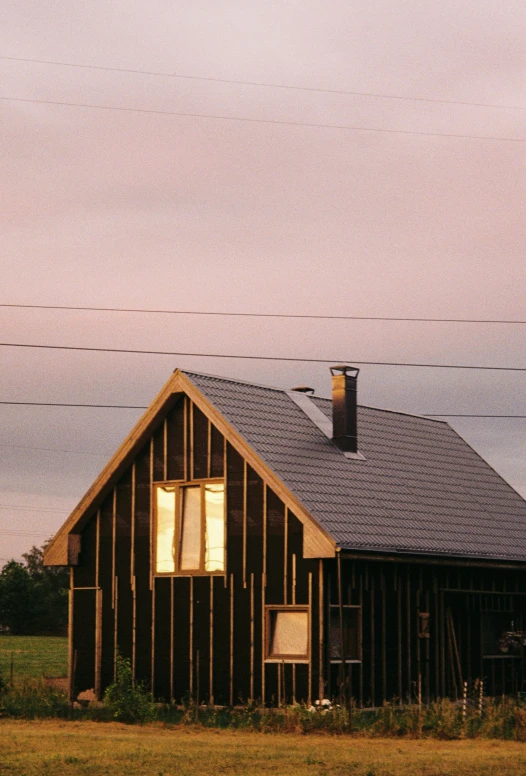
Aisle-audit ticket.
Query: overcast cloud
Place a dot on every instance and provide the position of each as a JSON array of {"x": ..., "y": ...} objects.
[{"x": 141, "y": 210}]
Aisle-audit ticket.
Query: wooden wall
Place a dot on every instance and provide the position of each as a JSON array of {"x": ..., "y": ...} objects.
[
  {"x": 396, "y": 663},
  {"x": 202, "y": 637},
  {"x": 199, "y": 637}
]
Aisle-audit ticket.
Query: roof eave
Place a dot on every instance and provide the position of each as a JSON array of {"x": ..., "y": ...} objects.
[{"x": 435, "y": 558}]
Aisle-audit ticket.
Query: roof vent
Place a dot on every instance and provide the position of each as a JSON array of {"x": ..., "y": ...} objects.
[
  {"x": 344, "y": 407},
  {"x": 303, "y": 389}
]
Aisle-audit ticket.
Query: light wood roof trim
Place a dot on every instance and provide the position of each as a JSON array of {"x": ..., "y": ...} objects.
[
  {"x": 315, "y": 538},
  {"x": 56, "y": 553},
  {"x": 317, "y": 543}
]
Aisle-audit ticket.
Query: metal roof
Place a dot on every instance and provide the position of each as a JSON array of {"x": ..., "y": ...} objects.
[{"x": 420, "y": 488}]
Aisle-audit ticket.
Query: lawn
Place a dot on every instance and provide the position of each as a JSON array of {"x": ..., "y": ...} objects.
[
  {"x": 34, "y": 656},
  {"x": 93, "y": 749}
]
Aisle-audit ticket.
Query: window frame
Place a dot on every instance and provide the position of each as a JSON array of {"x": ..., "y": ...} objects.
[
  {"x": 179, "y": 485},
  {"x": 336, "y": 608},
  {"x": 269, "y": 609}
]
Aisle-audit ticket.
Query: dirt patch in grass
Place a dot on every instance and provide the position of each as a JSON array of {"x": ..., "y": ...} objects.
[{"x": 90, "y": 749}]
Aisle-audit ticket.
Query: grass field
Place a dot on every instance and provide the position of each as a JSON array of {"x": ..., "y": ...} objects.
[
  {"x": 92, "y": 749},
  {"x": 34, "y": 656}
]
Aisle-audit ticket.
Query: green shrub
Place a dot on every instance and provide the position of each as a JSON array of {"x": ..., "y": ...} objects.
[{"x": 125, "y": 701}]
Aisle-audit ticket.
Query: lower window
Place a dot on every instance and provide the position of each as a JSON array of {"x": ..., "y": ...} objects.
[
  {"x": 287, "y": 636},
  {"x": 351, "y": 619}
]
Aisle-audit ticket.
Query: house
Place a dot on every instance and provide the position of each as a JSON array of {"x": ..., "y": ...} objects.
[{"x": 248, "y": 543}]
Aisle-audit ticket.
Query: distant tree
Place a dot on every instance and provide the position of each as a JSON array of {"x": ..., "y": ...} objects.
[{"x": 33, "y": 597}]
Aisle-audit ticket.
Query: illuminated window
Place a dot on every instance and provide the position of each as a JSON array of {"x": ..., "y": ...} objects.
[
  {"x": 287, "y": 633},
  {"x": 165, "y": 525},
  {"x": 190, "y": 528}
]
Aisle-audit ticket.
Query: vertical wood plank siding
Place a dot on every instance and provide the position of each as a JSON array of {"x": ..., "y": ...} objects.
[
  {"x": 397, "y": 656},
  {"x": 143, "y": 593},
  {"x": 208, "y": 639}
]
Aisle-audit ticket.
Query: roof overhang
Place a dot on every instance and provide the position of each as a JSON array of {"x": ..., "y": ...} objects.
[{"x": 429, "y": 559}]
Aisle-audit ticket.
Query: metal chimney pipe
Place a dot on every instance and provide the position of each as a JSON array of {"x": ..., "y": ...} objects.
[{"x": 344, "y": 407}]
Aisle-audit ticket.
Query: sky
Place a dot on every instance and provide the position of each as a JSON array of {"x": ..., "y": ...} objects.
[{"x": 131, "y": 209}]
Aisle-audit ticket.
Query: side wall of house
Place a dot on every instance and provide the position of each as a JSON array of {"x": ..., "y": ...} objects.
[
  {"x": 200, "y": 637},
  {"x": 425, "y": 629}
]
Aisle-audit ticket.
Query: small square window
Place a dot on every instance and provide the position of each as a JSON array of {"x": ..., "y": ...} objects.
[{"x": 287, "y": 634}]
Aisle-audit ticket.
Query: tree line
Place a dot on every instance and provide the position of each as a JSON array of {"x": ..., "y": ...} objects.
[{"x": 33, "y": 597}]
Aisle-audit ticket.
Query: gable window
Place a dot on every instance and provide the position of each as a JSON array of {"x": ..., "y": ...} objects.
[
  {"x": 190, "y": 528},
  {"x": 351, "y": 618},
  {"x": 287, "y": 636}
]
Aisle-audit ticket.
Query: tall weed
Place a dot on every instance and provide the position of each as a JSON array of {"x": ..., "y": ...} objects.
[
  {"x": 33, "y": 698},
  {"x": 126, "y": 702}
]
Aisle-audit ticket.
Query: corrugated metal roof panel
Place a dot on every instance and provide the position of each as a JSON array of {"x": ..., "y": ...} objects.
[{"x": 421, "y": 488}]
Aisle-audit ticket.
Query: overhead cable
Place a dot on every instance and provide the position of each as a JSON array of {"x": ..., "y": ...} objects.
[
  {"x": 54, "y": 450},
  {"x": 222, "y": 313},
  {"x": 145, "y": 407},
  {"x": 261, "y": 358},
  {"x": 264, "y": 84},
  {"x": 246, "y": 119}
]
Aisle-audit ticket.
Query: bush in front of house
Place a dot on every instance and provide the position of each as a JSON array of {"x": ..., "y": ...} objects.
[{"x": 125, "y": 701}]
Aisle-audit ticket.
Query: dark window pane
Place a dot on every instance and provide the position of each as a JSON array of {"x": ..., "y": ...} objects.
[{"x": 351, "y": 626}]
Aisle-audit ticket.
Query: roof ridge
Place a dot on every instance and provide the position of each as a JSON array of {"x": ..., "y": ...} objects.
[
  {"x": 231, "y": 380},
  {"x": 324, "y": 398}
]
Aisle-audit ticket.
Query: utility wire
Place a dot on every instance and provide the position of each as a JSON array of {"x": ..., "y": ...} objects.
[
  {"x": 464, "y": 415},
  {"x": 54, "y": 450},
  {"x": 261, "y": 84},
  {"x": 259, "y": 315},
  {"x": 24, "y": 533},
  {"x": 261, "y": 358},
  {"x": 246, "y": 119},
  {"x": 144, "y": 407},
  {"x": 64, "y": 404},
  {"x": 18, "y": 508}
]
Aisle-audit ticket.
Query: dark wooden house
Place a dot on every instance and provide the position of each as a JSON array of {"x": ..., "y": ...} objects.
[{"x": 248, "y": 543}]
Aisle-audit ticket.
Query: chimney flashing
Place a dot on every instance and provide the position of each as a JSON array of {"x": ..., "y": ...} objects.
[{"x": 305, "y": 403}]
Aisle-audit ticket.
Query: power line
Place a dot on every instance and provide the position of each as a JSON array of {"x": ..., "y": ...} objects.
[
  {"x": 259, "y": 315},
  {"x": 24, "y": 533},
  {"x": 144, "y": 407},
  {"x": 465, "y": 415},
  {"x": 18, "y": 508},
  {"x": 278, "y": 122},
  {"x": 53, "y": 450},
  {"x": 65, "y": 404},
  {"x": 108, "y": 455},
  {"x": 264, "y": 84},
  {"x": 258, "y": 358}
]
